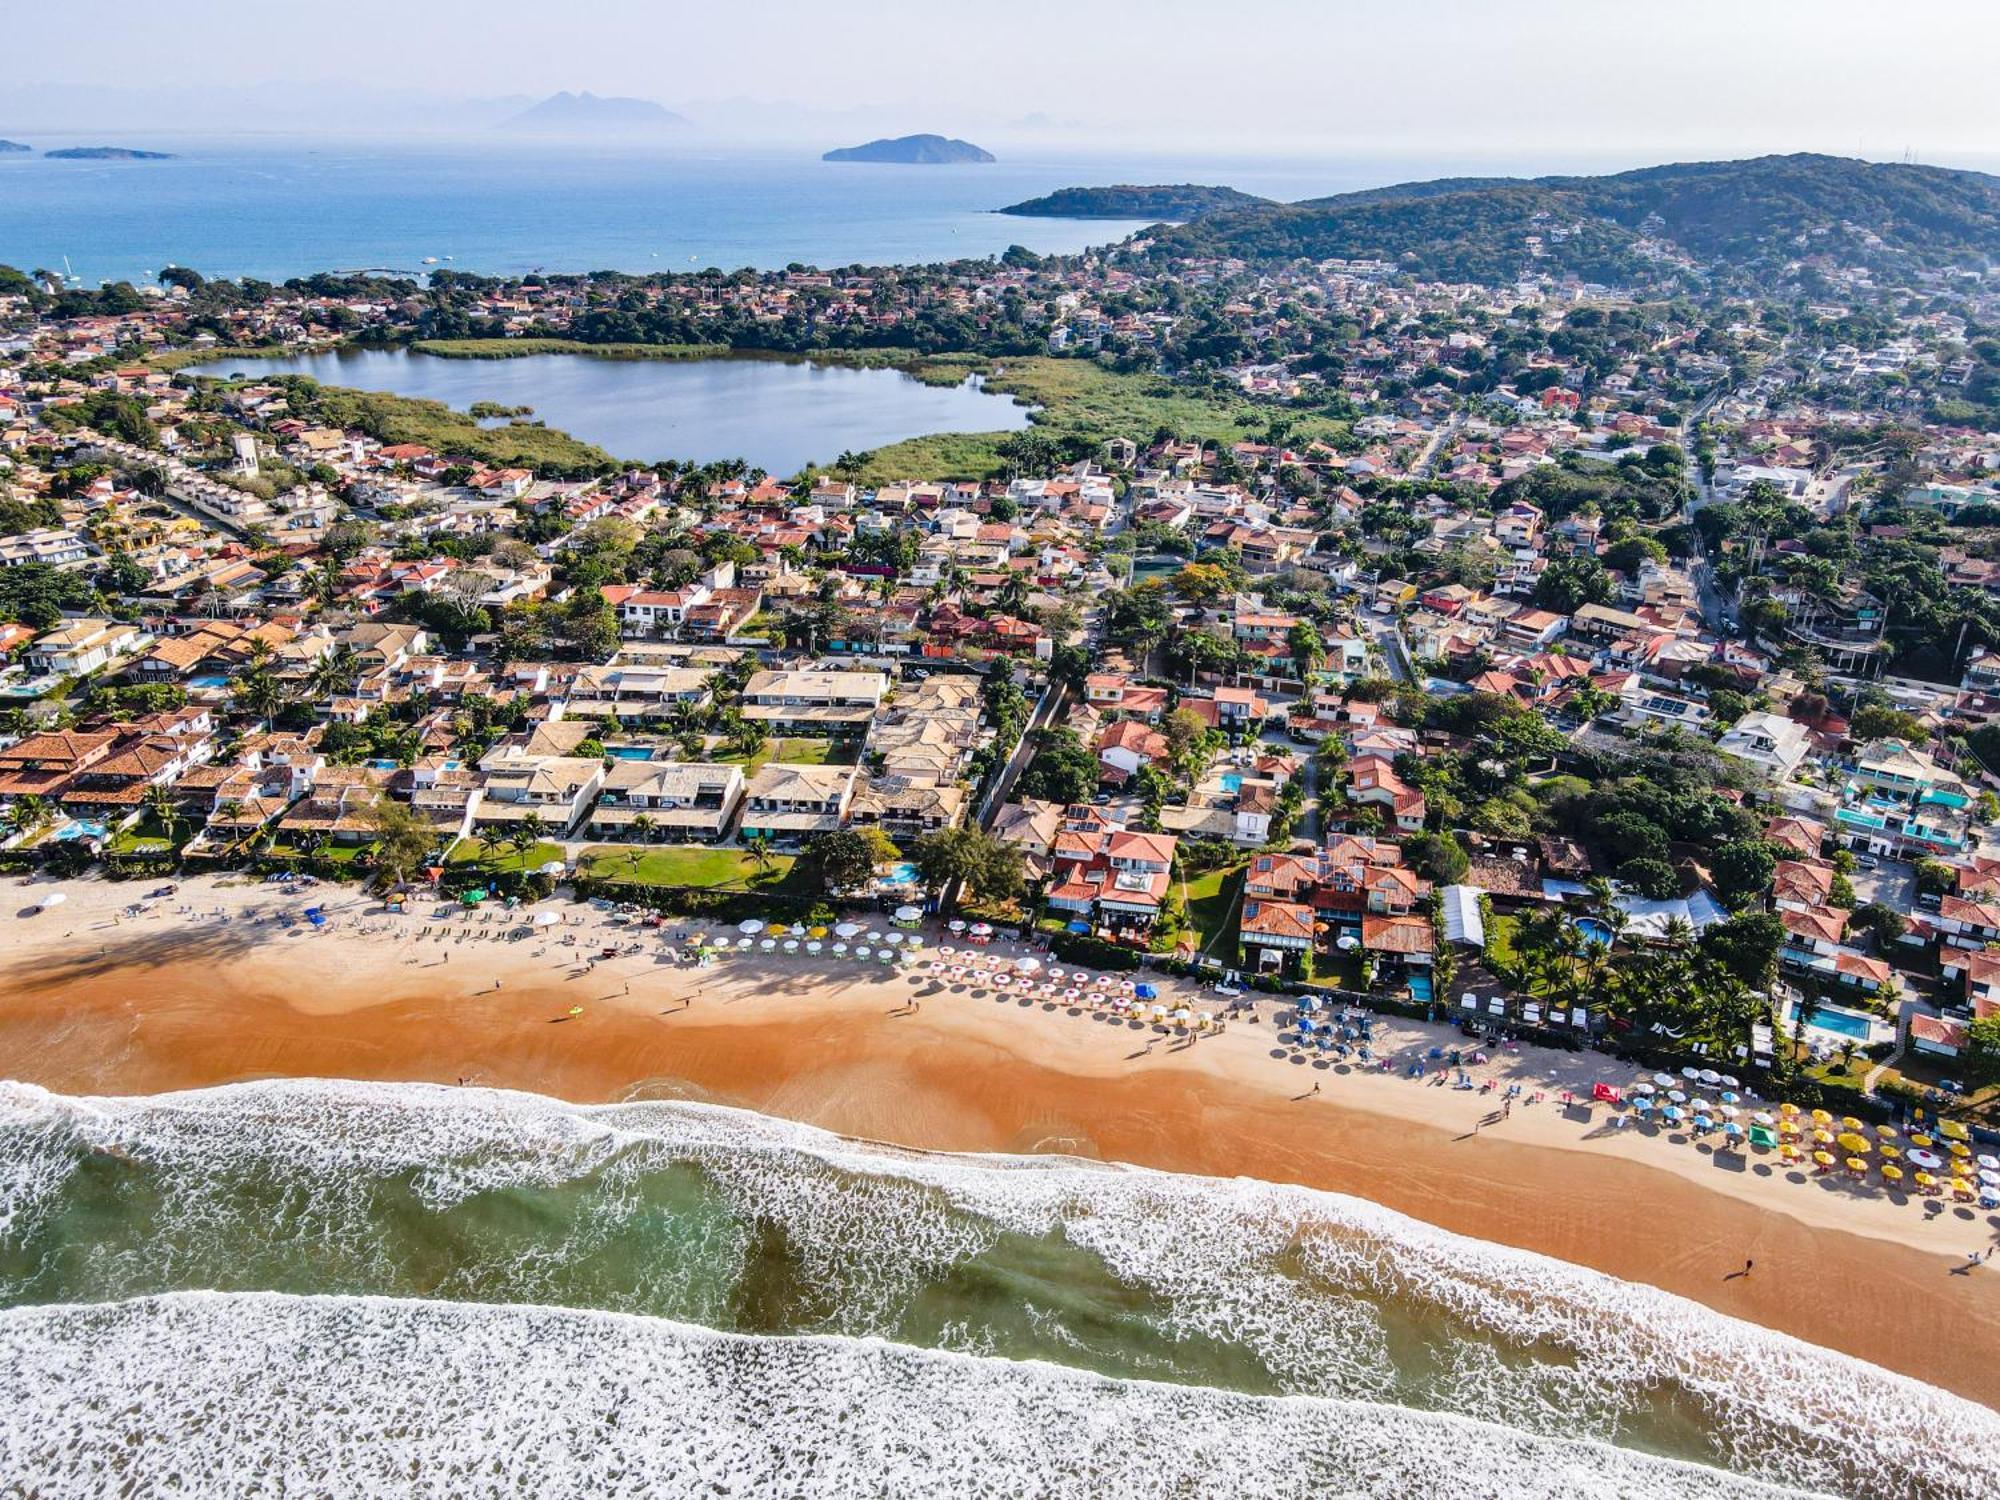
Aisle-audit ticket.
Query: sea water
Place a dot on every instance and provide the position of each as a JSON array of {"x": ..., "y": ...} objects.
[{"x": 352, "y": 1288}]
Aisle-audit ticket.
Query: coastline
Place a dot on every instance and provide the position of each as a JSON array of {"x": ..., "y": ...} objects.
[{"x": 91, "y": 1002}]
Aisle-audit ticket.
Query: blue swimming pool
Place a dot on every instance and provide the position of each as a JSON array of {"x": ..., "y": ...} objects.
[
  {"x": 210, "y": 680},
  {"x": 1420, "y": 988},
  {"x": 80, "y": 828},
  {"x": 1845, "y": 1022},
  {"x": 629, "y": 752},
  {"x": 1594, "y": 931},
  {"x": 900, "y": 874},
  {"x": 1232, "y": 781}
]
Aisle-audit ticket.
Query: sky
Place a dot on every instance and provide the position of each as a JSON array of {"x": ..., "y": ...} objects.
[{"x": 1663, "y": 79}]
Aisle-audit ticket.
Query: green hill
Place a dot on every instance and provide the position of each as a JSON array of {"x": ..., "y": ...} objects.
[
  {"x": 1177, "y": 202},
  {"x": 1750, "y": 217}
]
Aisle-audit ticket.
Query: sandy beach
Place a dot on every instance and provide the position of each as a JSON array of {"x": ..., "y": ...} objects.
[{"x": 207, "y": 987}]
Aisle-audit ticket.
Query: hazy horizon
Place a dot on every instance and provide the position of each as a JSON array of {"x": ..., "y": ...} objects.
[{"x": 1562, "y": 82}]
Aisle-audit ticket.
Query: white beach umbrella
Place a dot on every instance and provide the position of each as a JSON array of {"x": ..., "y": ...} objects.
[
  {"x": 750, "y": 927},
  {"x": 846, "y": 929},
  {"x": 1027, "y": 965},
  {"x": 547, "y": 918}
]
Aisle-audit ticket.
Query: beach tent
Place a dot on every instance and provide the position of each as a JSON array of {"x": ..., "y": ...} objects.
[
  {"x": 1760, "y": 1136},
  {"x": 1604, "y": 1093},
  {"x": 1146, "y": 991},
  {"x": 472, "y": 898}
]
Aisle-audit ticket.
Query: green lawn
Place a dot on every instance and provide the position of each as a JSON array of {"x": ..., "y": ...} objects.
[
  {"x": 1500, "y": 952},
  {"x": 693, "y": 866},
  {"x": 1213, "y": 910},
  {"x": 147, "y": 836},
  {"x": 793, "y": 752},
  {"x": 500, "y": 859}
]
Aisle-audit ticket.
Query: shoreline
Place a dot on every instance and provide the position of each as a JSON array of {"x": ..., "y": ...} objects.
[{"x": 92, "y": 1002}]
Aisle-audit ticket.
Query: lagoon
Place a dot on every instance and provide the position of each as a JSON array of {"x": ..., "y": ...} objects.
[{"x": 777, "y": 414}]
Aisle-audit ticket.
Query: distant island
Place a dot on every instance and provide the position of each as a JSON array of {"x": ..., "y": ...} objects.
[
  {"x": 913, "y": 151},
  {"x": 106, "y": 153},
  {"x": 1178, "y": 202},
  {"x": 593, "y": 114},
  {"x": 14, "y": 146}
]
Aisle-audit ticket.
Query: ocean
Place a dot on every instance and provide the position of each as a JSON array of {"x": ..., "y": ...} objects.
[
  {"x": 362, "y": 1289},
  {"x": 279, "y": 206}
]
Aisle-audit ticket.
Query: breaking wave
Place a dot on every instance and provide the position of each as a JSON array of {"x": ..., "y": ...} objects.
[
  {"x": 1218, "y": 1295},
  {"x": 249, "y": 1393}
]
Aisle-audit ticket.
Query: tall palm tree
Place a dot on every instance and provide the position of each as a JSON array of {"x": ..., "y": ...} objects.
[
  {"x": 758, "y": 847},
  {"x": 164, "y": 809}
]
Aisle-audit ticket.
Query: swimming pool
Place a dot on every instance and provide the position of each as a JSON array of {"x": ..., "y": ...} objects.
[
  {"x": 629, "y": 752},
  {"x": 80, "y": 828},
  {"x": 1420, "y": 988},
  {"x": 1594, "y": 931},
  {"x": 1232, "y": 781},
  {"x": 900, "y": 874},
  {"x": 1843, "y": 1022}
]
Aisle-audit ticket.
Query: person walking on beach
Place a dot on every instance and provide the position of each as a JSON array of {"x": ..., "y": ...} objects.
[
  {"x": 1315, "y": 1085},
  {"x": 1747, "y": 1265}
]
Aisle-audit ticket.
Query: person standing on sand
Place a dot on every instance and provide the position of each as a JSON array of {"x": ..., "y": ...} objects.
[{"x": 1747, "y": 1264}]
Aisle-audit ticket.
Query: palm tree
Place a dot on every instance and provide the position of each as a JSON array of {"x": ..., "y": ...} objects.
[
  {"x": 758, "y": 847},
  {"x": 527, "y": 833},
  {"x": 164, "y": 809},
  {"x": 334, "y": 671},
  {"x": 27, "y": 813}
]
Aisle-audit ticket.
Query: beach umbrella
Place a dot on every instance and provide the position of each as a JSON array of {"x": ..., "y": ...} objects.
[
  {"x": 849, "y": 929},
  {"x": 1952, "y": 1130},
  {"x": 1821, "y": 1117},
  {"x": 1762, "y": 1118},
  {"x": 1823, "y": 1158},
  {"x": 1960, "y": 1149},
  {"x": 797, "y": 929},
  {"x": 1789, "y": 1152},
  {"x": 768, "y": 944},
  {"x": 1788, "y": 1108},
  {"x": 1759, "y": 1136},
  {"x": 1677, "y": 1096},
  {"x": 1852, "y": 1143},
  {"x": 1664, "y": 1080},
  {"x": 1990, "y": 1177},
  {"x": 1730, "y": 1081},
  {"x": 1671, "y": 1114},
  {"x": 791, "y": 945},
  {"x": 1890, "y": 1153},
  {"x": 909, "y": 914},
  {"x": 1732, "y": 1130},
  {"x": 1710, "y": 1077},
  {"x": 1691, "y": 1074},
  {"x": 1856, "y": 1164},
  {"x": 750, "y": 927},
  {"x": 1642, "y": 1088},
  {"x": 576, "y": 1010},
  {"x": 1729, "y": 1098},
  {"x": 840, "y": 950},
  {"x": 1891, "y": 1173},
  {"x": 1986, "y": 1160},
  {"x": 1702, "y": 1124},
  {"x": 547, "y": 918},
  {"x": 1183, "y": 1016},
  {"x": 863, "y": 951},
  {"x": 1027, "y": 965},
  {"x": 1924, "y": 1180},
  {"x": 1925, "y": 1158},
  {"x": 1824, "y": 1137},
  {"x": 744, "y": 942},
  {"x": 957, "y": 924},
  {"x": 1887, "y": 1132},
  {"x": 814, "y": 945}
]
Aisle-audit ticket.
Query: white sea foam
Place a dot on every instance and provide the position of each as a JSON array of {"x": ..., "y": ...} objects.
[
  {"x": 1300, "y": 1277},
  {"x": 262, "y": 1394}
]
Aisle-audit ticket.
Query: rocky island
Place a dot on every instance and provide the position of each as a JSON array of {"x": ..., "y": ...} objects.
[
  {"x": 1176, "y": 201},
  {"x": 106, "y": 153},
  {"x": 913, "y": 151},
  {"x": 6, "y": 146}
]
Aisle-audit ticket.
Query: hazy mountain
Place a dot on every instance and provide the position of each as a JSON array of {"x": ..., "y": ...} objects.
[
  {"x": 591, "y": 114},
  {"x": 913, "y": 151}
]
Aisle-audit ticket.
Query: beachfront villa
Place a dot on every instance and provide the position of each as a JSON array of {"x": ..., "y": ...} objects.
[{"x": 787, "y": 804}]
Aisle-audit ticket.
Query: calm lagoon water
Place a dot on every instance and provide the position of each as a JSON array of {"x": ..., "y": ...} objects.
[{"x": 778, "y": 414}]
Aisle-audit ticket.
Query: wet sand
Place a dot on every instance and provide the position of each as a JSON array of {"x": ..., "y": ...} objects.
[{"x": 177, "y": 1000}]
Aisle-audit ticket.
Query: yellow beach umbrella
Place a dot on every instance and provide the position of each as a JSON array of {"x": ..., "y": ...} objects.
[
  {"x": 1854, "y": 1145},
  {"x": 1848, "y": 1122},
  {"x": 1789, "y": 1152},
  {"x": 1953, "y": 1128},
  {"x": 1824, "y": 1158},
  {"x": 1890, "y": 1153},
  {"x": 1824, "y": 1137},
  {"x": 1821, "y": 1117},
  {"x": 1887, "y": 1132},
  {"x": 1924, "y": 1179},
  {"x": 1856, "y": 1164},
  {"x": 1920, "y": 1139},
  {"x": 1960, "y": 1149},
  {"x": 1892, "y": 1174},
  {"x": 1963, "y": 1189},
  {"x": 1788, "y": 1108}
]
